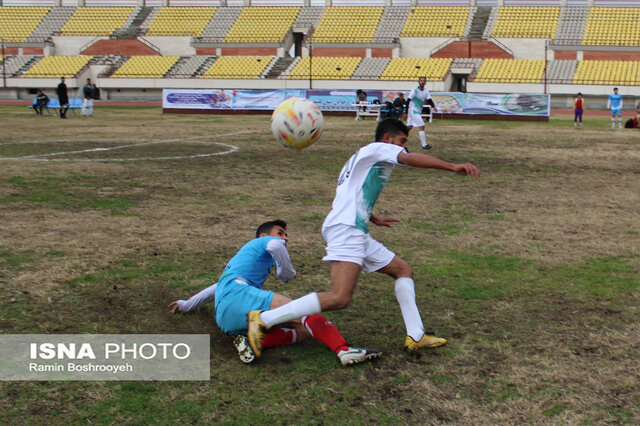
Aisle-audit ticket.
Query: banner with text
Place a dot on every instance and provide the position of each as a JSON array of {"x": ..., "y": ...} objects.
[
  {"x": 104, "y": 357},
  {"x": 344, "y": 100}
]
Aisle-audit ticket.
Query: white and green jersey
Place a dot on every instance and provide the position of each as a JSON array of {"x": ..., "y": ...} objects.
[
  {"x": 416, "y": 100},
  {"x": 361, "y": 180}
]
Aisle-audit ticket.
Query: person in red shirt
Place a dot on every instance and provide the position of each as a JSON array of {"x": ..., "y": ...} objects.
[{"x": 578, "y": 108}]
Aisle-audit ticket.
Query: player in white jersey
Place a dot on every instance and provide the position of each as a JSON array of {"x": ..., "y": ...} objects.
[
  {"x": 417, "y": 98},
  {"x": 350, "y": 248}
]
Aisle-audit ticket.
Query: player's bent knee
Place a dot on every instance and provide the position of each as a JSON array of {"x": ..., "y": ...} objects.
[{"x": 337, "y": 302}]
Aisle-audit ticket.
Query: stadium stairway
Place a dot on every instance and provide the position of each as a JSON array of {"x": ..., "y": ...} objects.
[
  {"x": 479, "y": 23},
  {"x": 136, "y": 28},
  {"x": 560, "y": 71},
  {"x": 52, "y": 23},
  {"x": 279, "y": 66},
  {"x": 17, "y": 65},
  {"x": 221, "y": 23},
  {"x": 571, "y": 25},
  {"x": 186, "y": 66},
  {"x": 204, "y": 66},
  {"x": 391, "y": 23}
]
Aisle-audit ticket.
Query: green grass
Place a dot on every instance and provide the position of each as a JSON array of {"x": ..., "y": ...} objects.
[{"x": 531, "y": 272}]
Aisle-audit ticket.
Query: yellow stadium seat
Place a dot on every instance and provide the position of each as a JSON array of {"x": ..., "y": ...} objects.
[
  {"x": 434, "y": 69},
  {"x": 526, "y": 22},
  {"x": 343, "y": 24},
  {"x": 238, "y": 67},
  {"x": 57, "y": 66},
  {"x": 325, "y": 68},
  {"x": 145, "y": 67},
  {"x": 511, "y": 71},
  {"x": 262, "y": 24}
]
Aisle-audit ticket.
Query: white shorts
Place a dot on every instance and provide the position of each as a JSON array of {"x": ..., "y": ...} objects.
[
  {"x": 414, "y": 120},
  {"x": 348, "y": 244}
]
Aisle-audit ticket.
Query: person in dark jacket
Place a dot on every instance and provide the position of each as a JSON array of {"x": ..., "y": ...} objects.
[
  {"x": 89, "y": 92},
  {"x": 42, "y": 101},
  {"x": 63, "y": 97}
]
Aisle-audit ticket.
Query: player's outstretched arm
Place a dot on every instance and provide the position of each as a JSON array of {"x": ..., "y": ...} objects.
[
  {"x": 423, "y": 161},
  {"x": 383, "y": 221},
  {"x": 202, "y": 298}
]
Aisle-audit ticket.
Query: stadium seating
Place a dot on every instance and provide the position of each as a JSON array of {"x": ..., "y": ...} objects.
[
  {"x": 561, "y": 71},
  {"x": 608, "y": 72},
  {"x": 526, "y": 22},
  {"x": 262, "y": 25},
  {"x": 511, "y": 71},
  {"x": 13, "y": 64},
  {"x": 52, "y": 23},
  {"x": 243, "y": 67},
  {"x": 436, "y": 21},
  {"x": 571, "y": 25},
  {"x": 189, "y": 67},
  {"x": 180, "y": 21},
  {"x": 145, "y": 67},
  {"x": 17, "y": 22},
  {"x": 309, "y": 16},
  {"x": 57, "y": 66},
  {"x": 391, "y": 23},
  {"x": 613, "y": 26},
  {"x": 370, "y": 68},
  {"x": 96, "y": 21},
  {"x": 434, "y": 69},
  {"x": 345, "y": 24},
  {"x": 324, "y": 68}
]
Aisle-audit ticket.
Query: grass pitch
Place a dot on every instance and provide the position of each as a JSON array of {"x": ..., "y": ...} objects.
[{"x": 531, "y": 272}]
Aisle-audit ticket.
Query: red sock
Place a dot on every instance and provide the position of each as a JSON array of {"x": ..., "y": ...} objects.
[
  {"x": 323, "y": 330},
  {"x": 279, "y": 337}
]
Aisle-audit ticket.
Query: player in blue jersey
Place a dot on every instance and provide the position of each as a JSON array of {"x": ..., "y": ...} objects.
[
  {"x": 415, "y": 102},
  {"x": 350, "y": 248},
  {"x": 239, "y": 291},
  {"x": 615, "y": 103}
]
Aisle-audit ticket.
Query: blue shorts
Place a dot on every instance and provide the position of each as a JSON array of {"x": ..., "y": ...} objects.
[
  {"x": 616, "y": 111},
  {"x": 234, "y": 300}
]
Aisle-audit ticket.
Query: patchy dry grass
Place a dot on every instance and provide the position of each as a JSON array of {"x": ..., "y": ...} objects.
[{"x": 531, "y": 272}]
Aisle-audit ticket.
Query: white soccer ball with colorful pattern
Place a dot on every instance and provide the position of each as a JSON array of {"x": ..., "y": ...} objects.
[{"x": 297, "y": 123}]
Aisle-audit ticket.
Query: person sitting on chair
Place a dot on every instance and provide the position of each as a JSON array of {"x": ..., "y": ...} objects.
[
  {"x": 42, "y": 101},
  {"x": 399, "y": 105}
]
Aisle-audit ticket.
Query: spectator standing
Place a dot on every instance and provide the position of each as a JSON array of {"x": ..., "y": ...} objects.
[
  {"x": 63, "y": 98},
  {"x": 89, "y": 92},
  {"x": 361, "y": 98},
  {"x": 615, "y": 103},
  {"x": 578, "y": 108}
]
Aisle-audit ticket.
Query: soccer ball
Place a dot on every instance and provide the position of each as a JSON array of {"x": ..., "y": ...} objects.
[{"x": 297, "y": 123}]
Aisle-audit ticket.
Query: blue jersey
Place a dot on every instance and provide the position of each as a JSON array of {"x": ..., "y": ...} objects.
[
  {"x": 615, "y": 101},
  {"x": 252, "y": 262}
]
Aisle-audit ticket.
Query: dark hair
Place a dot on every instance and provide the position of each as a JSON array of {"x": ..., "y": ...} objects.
[
  {"x": 391, "y": 126},
  {"x": 266, "y": 227},
  {"x": 615, "y": 88},
  {"x": 579, "y": 93}
]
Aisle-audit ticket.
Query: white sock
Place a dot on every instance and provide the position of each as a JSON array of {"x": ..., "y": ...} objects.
[
  {"x": 423, "y": 138},
  {"x": 406, "y": 295},
  {"x": 620, "y": 122},
  {"x": 613, "y": 122},
  {"x": 306, "y": 305}
]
